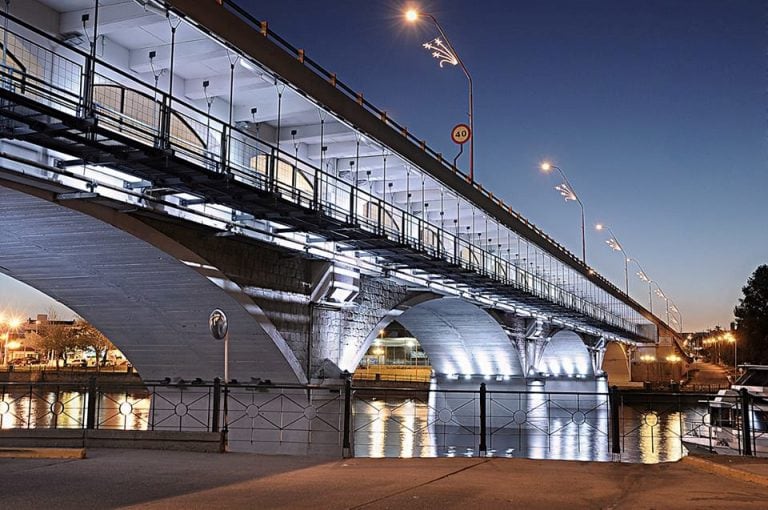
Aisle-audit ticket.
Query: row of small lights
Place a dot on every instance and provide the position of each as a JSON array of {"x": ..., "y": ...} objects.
[
  {"x": 719, "y": 338},
  {"x": 650, "y": 358},
  {"x": 499, "y": 377}
]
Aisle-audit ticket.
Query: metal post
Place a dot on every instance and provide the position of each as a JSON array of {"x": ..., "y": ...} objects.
[
  {"x": 483, "y": 432},
  {"x": 626, "y": 274},
  {"x": 216, "y": 405},
  {"x": 650, "y": 298},
  {"x": 346, "y": 448},
  {"x": 90, "y": 421},
  {"x": 5, "y": 34},
  {"x": 226, "y": 358},
  {"x": 746, "y": 428},
  {"x": 614, "y": 399},
  {"x": 471, "y": 105}
]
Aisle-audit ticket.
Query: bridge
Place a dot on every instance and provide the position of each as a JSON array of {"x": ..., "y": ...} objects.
[{"x": 162, "y": 159}]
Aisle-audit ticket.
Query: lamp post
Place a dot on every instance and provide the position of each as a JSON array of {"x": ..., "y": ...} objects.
[
  {"x": 7, "y": 325},
  {"x": 660, "y": 293},
  {"x": 644, "y": 277},
  {"x": 443, "y": 50},
  {"x": 569, "y": 194},
  {"x": 674, "y": 309},
  {"x": 614, "y": 243}
]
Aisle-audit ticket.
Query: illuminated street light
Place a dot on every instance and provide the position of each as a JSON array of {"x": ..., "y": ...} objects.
[
  {"x": 615, "y": 245},
  {"x": 442, "y": 49},
  {"x": 569, "y": 194},
  {"x": 674, "y": 309},
  {"x": 644, "y": 277},
  {"x": 7, "y": 325}
]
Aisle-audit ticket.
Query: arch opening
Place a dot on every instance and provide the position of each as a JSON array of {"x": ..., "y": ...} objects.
[
  {"x": 461, "y": 340},
  {"x": 145, "y": 292},
  {"x": 566, "y": 355}
]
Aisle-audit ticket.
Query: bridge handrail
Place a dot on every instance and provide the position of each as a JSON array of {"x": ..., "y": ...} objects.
[
  {"x": 263, "y": 28},
  {"x": 538, "y": 286},
  {"x": 359, "y": 98}
]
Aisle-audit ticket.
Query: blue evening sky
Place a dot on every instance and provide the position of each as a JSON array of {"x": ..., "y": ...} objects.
[{"x": 655, "y": 109}]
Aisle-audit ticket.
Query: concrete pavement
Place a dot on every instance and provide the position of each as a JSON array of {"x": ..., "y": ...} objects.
[{"x": 182, "y": 480}]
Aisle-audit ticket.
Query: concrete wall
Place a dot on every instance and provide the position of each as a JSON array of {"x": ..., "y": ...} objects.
[{"x": 210, "y": 442}]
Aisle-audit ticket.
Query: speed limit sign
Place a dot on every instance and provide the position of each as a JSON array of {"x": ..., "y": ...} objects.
[{"x": 460, "y": 134}]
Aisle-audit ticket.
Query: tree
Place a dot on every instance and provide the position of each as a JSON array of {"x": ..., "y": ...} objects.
[
  {"x": 752, "y": 317},
  {"x": 56, "y": 336},
  {"x": 86, "y": 336}
]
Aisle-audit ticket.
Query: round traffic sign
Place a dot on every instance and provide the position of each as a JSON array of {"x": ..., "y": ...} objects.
[{"x": 461, "y": 134}]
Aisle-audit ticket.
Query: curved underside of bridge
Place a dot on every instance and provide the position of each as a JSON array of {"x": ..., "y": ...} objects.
[
  {"x": 459, "y": 337},
  {"x": 153, "y": 306},
  {"x": 566, "y": 355},
  {"x": 616, "y": 363}
]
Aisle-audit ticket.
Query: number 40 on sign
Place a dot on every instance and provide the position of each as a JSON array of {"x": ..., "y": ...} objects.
[{"x": 460, "y": 134}]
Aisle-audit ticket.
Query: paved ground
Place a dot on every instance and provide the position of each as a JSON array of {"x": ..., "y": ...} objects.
[
  {"x": 183, "y": 480},
  {"x": 709, "y": 373}
]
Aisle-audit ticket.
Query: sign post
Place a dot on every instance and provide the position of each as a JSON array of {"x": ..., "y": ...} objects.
[
  {"x": 460, "y": 134},
  {"x": 219, "y": 327}
]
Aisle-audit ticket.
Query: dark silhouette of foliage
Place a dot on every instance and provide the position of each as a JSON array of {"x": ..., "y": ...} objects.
[{"x": 752, "y": 318}]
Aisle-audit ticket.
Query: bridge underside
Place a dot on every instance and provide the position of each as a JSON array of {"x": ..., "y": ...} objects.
[{"x": 154, "y": 306}]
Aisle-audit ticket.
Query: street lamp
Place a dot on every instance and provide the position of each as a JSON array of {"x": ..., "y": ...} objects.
[
  {"x": 674, "y": 309},
  {"x": 732, "y": 339},
  {"x": 644, "y": 277},
  {"x": 7, "y": 325},
  {"x": 569, "y": 194},
  {"x": 647, "y": 359},
  {"x": 614, "y": 243},
  {"x": 443, "y": 50}
]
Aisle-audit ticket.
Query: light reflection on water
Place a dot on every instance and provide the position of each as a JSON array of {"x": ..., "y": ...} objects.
[
  {"x": 68, "y": 410},
  {"x": 531, "y": 424}
]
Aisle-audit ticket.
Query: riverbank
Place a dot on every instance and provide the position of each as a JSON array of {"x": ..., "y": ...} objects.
[
  {"x": 68, "y": 375},
  {"x": 170, "y": 480}
]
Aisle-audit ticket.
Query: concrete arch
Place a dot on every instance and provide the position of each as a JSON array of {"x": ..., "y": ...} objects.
[
  {"x": 459, "y": 337},
  {"x": 148, "y": 294},
  {"x": 616, "y": 363},
  {"x": 566, "y": 355}
]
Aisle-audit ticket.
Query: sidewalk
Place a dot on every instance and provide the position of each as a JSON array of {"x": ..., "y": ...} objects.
[{"x": 183, "y": 480}]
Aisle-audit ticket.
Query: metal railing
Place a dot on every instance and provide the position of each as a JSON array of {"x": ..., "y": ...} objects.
[
  {"x": 390, "y": 422},
  {"x": 140, "y": 115}
]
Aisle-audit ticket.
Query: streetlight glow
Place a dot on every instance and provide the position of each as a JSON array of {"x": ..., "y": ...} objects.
[
  {"x": 411, "y": 15},
  {"x": 567, "y": 191}
]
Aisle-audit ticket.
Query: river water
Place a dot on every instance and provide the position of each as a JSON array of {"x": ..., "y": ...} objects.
[{"x": 532, "y": 423}]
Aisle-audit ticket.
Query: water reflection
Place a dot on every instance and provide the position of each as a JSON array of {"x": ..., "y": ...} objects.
[
  {"x": 531, "y": 424},
  {"x": 69, "y": 410}
]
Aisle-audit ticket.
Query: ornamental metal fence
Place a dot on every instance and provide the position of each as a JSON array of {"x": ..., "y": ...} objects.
[{"x": 390, "y": 422}]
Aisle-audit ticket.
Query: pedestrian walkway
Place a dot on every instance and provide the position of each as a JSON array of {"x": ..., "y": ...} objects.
[
  {"x": 708, "y": 377},
  {"x": 183, "y": 480}
]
